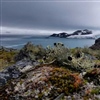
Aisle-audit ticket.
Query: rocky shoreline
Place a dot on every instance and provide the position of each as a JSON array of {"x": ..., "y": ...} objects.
[{"x": 54, "y": 73}]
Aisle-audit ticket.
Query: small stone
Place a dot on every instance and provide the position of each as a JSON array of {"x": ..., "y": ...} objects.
[{"x": 36, "y": 96}]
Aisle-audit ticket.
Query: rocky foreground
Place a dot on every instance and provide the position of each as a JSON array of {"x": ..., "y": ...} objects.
[{"x": 54, "y": 73}]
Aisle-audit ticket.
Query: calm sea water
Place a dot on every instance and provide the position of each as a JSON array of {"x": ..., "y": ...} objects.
[{"x": 18, "y": 42}]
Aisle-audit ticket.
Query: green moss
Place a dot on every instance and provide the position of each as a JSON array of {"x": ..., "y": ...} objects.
[
  {"x": 7, "y": 58},
  {"x": 95, "y": 91}
]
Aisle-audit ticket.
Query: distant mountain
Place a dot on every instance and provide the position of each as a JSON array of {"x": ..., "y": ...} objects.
[
  {"x": 61, "y": 35},
  {"x": 77, "y": 34},
  {"x": 82, "y": 32}
]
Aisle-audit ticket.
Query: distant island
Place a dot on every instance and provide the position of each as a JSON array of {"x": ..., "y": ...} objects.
[{"x": 77, "y": 34}]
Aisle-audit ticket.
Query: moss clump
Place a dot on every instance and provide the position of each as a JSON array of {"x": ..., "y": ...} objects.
[
  {"x": 7, "y": 58},
  {"x": 95, "y": 91},
  {"x": 65, "y": 81}
]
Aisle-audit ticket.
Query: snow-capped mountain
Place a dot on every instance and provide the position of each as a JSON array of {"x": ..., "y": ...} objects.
[{"x": 79, "y": 34}]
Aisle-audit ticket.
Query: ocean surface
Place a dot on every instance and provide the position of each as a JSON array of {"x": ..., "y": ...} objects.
[{"x": 18, "y": 41}]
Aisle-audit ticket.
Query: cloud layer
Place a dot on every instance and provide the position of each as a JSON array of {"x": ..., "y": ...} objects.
[{"x": 54, "y": 15}]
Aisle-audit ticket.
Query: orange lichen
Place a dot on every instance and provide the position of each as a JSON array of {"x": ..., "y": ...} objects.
[{"x": 78, "y": 80}]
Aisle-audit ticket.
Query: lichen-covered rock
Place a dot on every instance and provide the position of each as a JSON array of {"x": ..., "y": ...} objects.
[
  {"x": 16, "y": 70},
  {"x": 9, "y": 73},
  {"x": 30, "y": 52}
]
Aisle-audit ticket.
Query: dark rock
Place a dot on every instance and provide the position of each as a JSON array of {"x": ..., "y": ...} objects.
[
  {"x": 97, "y": 41},
  {"x": 9, "y": 73},
  {"x": 2, "y": 81},
  {"x": 5, "y": 75},
  {"x": 13, "y": 72},
  {"x": 96, "y": 46}
]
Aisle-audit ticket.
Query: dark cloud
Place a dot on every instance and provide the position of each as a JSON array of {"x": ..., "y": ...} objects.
[{"x": 51, "y": 15}]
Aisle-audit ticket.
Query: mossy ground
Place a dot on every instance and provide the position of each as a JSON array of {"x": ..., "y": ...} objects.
[
  {"x": 6, "y": 58},
  {"x": 61, "y": 73}
]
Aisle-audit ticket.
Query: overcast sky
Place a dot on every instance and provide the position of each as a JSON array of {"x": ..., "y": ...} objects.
[{"x": 51, "y": 15}]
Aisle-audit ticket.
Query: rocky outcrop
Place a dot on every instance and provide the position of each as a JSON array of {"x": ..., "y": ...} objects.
[
  {"x": 15, "y": 71},
  {"x": 96, "y": 46}
]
